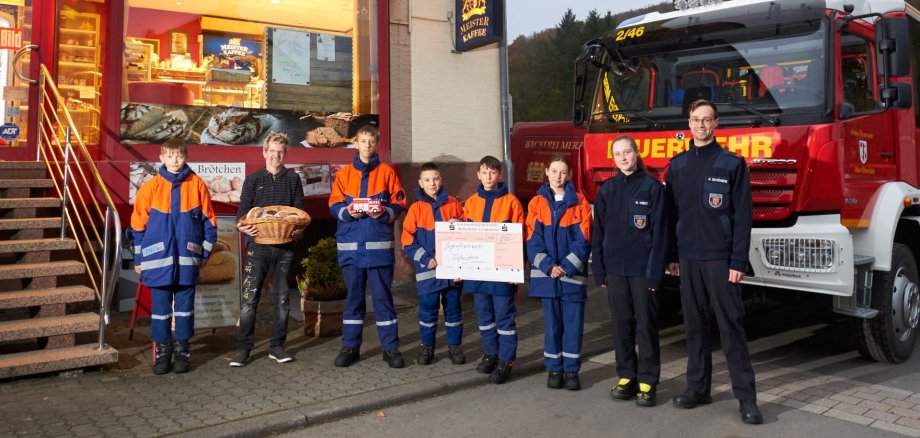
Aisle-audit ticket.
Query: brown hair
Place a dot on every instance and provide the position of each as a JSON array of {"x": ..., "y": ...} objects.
[
  {"x": 429, "y": 166},
  {"x": 703, "y": 102},
  {"x": 491, "y": 162},
  {"x": 277, "y": 137},
  {"x": 370, "y": 130},
  {"x": 560, "y": 158},
  {"x": 635, "y": 147},
  {"x": 174, "y": 144}
]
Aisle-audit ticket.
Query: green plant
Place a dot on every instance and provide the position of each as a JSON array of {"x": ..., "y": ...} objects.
[{"x": 322, "y": 277}]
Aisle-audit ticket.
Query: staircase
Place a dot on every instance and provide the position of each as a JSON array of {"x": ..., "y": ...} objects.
[{"x": 45, "y": 300}]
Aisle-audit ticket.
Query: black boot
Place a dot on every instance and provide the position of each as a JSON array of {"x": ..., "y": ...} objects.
[
  {"x": 183, "y": 356},
  {"x": 487, "y": 364},
  {"x": 456, "y": 355},
  {"x": 426, "y": 355},
  {"x": 554, "y": 380},
  {"x": 162, "y": 356}
]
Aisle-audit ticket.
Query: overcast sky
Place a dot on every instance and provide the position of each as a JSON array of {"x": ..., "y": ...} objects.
[{"x": 526, "y": 17}]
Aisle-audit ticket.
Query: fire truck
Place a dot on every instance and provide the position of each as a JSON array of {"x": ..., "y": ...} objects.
[{"x": 820, "y": 98}]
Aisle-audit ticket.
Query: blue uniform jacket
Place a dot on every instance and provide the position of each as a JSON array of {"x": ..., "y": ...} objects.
[
  {"x": 630, "y": 229},
  {"x": 172, "y": 228},
  {"x": 418, "y": 237},
  {"x": 710, "y": 190},
  {"x": 366, "y": 242},
  {"x": 558, "y": 233}
]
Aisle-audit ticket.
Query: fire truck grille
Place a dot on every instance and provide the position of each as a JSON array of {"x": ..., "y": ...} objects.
[{"x": 773, "y": 191}]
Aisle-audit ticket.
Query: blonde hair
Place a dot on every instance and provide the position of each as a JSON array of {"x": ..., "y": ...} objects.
[{"x": 277, "y": 137}]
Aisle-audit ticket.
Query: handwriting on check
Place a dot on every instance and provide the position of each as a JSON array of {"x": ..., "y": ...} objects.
[{"x": 468, "y": 253}]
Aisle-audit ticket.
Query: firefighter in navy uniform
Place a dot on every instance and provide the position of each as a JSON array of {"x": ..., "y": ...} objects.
[{"x": 709, "y": 190}]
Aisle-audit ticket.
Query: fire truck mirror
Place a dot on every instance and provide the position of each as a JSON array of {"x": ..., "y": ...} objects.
[
  {"x": 894, "y": 44},
  {"x": 898, "y": 96},
  {"x": 578, "y": 115}
]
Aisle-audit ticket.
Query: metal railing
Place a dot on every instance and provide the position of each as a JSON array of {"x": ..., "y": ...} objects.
[{"x": 82, "y": 191}]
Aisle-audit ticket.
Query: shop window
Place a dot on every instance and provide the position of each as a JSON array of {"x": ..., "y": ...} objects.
[{"x": 227, "y": 72}]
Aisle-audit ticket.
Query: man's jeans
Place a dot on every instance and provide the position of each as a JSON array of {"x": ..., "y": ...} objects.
[{"x": 259, "y": 259}]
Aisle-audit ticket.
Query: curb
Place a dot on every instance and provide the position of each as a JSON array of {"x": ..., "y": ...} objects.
[{"x": 322, "y": 412}]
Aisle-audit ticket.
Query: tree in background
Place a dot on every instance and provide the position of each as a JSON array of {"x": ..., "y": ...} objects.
[{"x": 541, "y": 67}]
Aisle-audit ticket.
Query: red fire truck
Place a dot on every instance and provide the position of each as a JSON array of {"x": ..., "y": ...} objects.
[{"x": 820, "y": 98}]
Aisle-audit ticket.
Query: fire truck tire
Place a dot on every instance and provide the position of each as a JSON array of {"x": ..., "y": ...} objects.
[{"x": 890, "y": 336}]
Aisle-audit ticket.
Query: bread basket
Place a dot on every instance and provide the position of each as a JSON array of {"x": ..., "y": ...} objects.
[{"x": 276, "y": 223}]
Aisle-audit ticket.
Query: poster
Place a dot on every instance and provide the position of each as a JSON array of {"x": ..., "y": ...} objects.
[
  {"x": 314, "y": 177},
  {"x": 224, "y": 180},
  {"x": 217, "y": 297},
  {"x": 290, "y": 56},
  {"x": 325, "y": 47}
]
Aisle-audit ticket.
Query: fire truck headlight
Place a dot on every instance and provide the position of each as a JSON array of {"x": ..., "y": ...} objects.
[{"x": 799, "y": 254}]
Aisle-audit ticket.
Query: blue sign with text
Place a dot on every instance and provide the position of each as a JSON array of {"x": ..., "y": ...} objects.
[{"x": 9, "y": 131}]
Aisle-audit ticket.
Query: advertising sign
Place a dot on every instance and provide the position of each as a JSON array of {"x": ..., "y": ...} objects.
[
  {"x": 477, "y": 23},
  {"x": 217, "y": 297},
  {"x": 224, "y": 180}
]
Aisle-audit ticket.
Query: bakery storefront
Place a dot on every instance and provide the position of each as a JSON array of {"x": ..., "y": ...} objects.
[{"x": 220, "y": 74}]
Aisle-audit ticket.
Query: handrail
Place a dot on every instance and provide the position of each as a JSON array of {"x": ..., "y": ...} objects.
[{"x": 81, "y": 189}]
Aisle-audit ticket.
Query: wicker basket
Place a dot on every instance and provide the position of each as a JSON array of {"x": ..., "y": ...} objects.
[{"x": 275, "y": 230}]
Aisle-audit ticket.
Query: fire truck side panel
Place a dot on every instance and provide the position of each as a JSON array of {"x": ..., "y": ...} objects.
[{"x": 876, "y": 239}]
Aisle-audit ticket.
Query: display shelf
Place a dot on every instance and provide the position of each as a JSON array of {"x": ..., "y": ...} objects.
[{"x": 79, "y": 64}]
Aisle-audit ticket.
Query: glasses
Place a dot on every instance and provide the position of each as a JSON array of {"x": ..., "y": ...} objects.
[{"x": 706, "y": 121}]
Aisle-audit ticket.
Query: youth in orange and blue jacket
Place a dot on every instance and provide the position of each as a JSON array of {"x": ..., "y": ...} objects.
[
  {"x": 418, "y": 242},
  {"x": 494, "y": 301},
  {"x": 559, "y": 234},
  {"x": 173, "y": 228},
  {"x": 366, "y": 245}
]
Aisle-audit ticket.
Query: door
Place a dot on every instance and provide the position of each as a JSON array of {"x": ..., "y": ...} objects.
[{"x": 26, "y": 35}]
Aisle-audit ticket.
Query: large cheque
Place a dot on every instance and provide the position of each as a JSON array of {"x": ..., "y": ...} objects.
[{"x": 487, "y": 251}]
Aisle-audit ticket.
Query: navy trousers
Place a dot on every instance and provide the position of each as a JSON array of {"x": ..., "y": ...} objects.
[
  {"x": 705, "y": 283},
  {"x": 634, "y": 312},
  {"x": 356, "y": 280},
  {"x": 563, "y": 327},
  {"x": 496, "y": 315},
  {"x": 428, "y": 306},
  {"x": 172, "y": 302}
]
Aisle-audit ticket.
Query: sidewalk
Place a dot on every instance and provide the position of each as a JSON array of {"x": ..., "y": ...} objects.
[{"x": 215, "y": 400}]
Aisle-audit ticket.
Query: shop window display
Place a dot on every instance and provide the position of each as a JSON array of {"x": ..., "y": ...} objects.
[{"x": 217, "y": 73}]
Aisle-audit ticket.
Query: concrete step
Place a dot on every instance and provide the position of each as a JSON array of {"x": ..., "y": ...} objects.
[
  {"x": 42, "y": 297},
  {"x": 29, "y": 202},
  {"x": 46, "y": 361},
  {"x": 30, "y": 165},
  {"x": 51, "y": 269},
  {"x": 29, "y": 245},
  {"x": 23, "y": 169},
  {"x": 24, "y": 224},
  {"x": 51, "y": 326},
  {"x": 26, "y": 183}
]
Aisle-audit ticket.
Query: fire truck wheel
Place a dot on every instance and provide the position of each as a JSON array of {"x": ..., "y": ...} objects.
[{"x": 890, "y": 336}]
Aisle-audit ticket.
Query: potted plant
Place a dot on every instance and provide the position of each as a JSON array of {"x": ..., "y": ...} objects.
[{"x": 323, "y": 290}]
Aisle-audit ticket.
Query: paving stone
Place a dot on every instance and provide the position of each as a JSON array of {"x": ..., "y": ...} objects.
[
  {"x": 814, "y": 409},
  {"x": 879, "y": 406},
  {"x": 881, "y": 415},
  {"x": 908, "y": 413},
  {"x": 909, "y": 422},
  {"x": 869, "y": 396},
  {"x": 896, "y": 428},
  {"x": 847, "y": 416},
  {"x": 845, "y": 399},
  {"x": 852, "y": 409},
  {"x": 901, "y": 403}
]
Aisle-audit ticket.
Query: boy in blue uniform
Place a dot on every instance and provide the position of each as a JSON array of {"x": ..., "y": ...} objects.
[
  {"x": 433, "y": 205},
  {"x": 494, "y": 301},
  {"x": 173, "y": 229},
  {"x": 710, "y": 191}
]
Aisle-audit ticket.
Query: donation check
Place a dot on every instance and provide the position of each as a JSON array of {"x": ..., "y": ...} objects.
[{"x": 487, "y": 251}]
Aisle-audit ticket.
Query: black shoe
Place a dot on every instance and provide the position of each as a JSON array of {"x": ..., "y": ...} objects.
[
  {"x": 626, "y": 389},
  {"x": 571, "y": 381},
  {"x": 501, "y": 373},
  {"x": 646, "y": 398},
  {"x": 426, "y": 355},
  {"x": 487, "y": 363},
  {"x": 279, "y": 355},
  {"x": 183, "y": 356},
  {"x": 690, "y": 398},
  {"x": 347, "y": 357},
  {"x": 456, "y": 355},
  {"x": 750, "y": 414},
  {"x": 554, "y": 380},
  {"x": 394, "y": 358},
  {"x": 239, "y": 358},
  {"x": 162, "y": 356}
]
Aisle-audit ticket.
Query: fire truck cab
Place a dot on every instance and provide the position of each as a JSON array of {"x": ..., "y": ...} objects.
[{"x": 820, "y": 98}]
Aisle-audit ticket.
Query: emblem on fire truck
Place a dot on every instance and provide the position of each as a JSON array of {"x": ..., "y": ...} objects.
[
  {"x": 863, "y": 151},
  {"x": 715, "y": 200}
]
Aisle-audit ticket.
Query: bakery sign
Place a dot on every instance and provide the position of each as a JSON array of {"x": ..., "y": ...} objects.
[
  {"x": 224, "y": 180},
  {"x": 477, "y": 23}
]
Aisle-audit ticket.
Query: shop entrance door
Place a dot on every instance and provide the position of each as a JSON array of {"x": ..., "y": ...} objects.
[{"x": 26, "y": 32}]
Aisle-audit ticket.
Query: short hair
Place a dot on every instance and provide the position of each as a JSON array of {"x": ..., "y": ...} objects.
[
  {"x": 635, "y": 147},
  {"x": 491, "y": 162},
  {"x": 174, "y": 144},
  {"x": 703, "y": 102},
  {"x": 429, "y": 166},
  {"x": 277, "y": 137},
  {"x": 370, "y": 130}
]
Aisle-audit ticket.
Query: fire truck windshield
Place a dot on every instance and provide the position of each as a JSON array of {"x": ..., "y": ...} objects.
[{"x": 759, "y": 74}]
